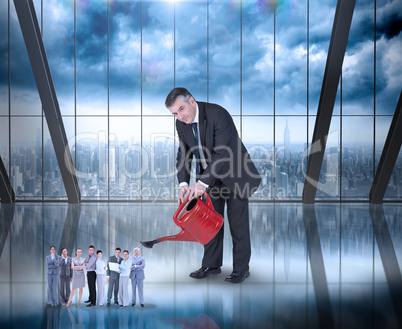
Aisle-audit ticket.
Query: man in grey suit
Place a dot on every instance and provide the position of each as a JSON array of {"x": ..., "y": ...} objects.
[
  {"x": 113, "y": 277},
  {"x": 137, "y": 276},
  {"x": 52, "y": 264},
  {"x": 66, "y": 276}
]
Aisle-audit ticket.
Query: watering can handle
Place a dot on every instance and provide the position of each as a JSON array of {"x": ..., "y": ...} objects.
[
  {"x": 209, "y": 202},
  {"x": 178, "y": 210}
]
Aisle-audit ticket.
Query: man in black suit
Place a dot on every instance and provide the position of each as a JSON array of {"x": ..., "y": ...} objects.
[
  {"x": 207, "y": 131},
  {"x": 113, "y": 277},
  {"x": 66, "y": 276}
]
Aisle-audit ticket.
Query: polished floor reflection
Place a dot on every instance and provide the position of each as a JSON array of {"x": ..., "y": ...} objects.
[{"x": 322, "y": 266}]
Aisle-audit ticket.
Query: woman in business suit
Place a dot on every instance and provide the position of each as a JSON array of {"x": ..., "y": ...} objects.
[{"x": 78, "y": 265}]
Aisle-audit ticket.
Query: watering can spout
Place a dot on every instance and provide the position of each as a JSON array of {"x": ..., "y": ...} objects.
[{"x": 182, "y": 236}]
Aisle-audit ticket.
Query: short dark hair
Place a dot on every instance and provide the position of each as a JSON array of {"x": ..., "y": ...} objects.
[
  {"x": 117, "y": 249},
  {"x": 91, "y": 246},
  {"x": 52, "y": 247},
  {"x": 61, "y": 250},
  {"x": 176, "y": 93},
  {"x": 99, "y": 251},
  {"x": 126, "y": 251}
]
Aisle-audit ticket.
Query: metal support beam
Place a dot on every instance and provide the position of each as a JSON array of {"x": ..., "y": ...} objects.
[
  {"x": 333, "y": 70},
  {"x": 323, "y": 301},
  {"x": 388, "y": 258},
  {"x": 40, "y": 67},
  {"x": 388, "y": 158},
  {"x": 6, "y": 190}
]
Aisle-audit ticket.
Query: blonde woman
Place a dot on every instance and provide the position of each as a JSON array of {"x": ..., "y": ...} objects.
[{"x": 78, "y": 265}]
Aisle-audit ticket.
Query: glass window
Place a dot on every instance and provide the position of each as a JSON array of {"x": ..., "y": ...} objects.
[
  {"x": 329, "y": 180},
  {"x": 125, "y": 157},
  {"x": 26, "y": 157},
  {"x": 24, "y": 96},
  {"x": 91, "y": 57},
  {"x": 290, "y": 155},
  {"x": 4, "y": 58},
  {"x": 394, "y": 189},
  {"x": 157, "y": 55},
  {"x": 125, "y": 57},
  {"x": 291, "y": 58},
  {"x": 257, "y": 58},
  {"x": 158, "y": 163},
  {"x": 358, "y": 64},
  {"x": 258, "y": 137},
  {"x": 321, "y": 20},
  {"x": 191, "y": 47},
  {"x": 224, "y": 54},
  {"x": 357, "y": 156},
  {"x": 388, "y": 59},
  {"x": 58, "y": 37},
  {"x": 53, "y": 186},
  {"x": 91, "y": 157},
  {"x": 4, "y": 143}
]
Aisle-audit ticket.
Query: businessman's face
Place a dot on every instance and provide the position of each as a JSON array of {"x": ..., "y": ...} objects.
[
  {"x": 184, "y": 111},
  {"x": 118, "y": 252},
  {"x": 99, "y": 254},
  {"x": 136, "y": 252},
  {"x": 91, "y": 251}
]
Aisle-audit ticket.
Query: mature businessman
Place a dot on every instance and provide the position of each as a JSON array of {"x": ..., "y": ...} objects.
[
  {"x": 207, "y": 131},
  {"x": 137, "y": 277}
]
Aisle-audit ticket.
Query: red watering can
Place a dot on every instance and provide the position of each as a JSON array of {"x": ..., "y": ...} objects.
[{"x": 198, "y": 220}]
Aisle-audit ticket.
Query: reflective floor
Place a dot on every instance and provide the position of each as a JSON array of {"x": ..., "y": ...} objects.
[{"x": 328, "y": 266}]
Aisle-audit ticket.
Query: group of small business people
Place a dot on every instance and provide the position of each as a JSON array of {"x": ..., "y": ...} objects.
[{"x": 64, "y": 269}]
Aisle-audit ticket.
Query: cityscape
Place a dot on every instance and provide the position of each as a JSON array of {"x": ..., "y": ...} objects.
[{"x": 148, "y": 172}]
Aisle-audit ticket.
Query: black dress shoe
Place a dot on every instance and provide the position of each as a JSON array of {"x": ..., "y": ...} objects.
[
  {"x": 133, "y": 304},
  {"x": 237, "y": 277},
  {"x": 90, "y": 305},
  {"x": 142, "y": 305},
  {"x": 203, "y": 272},
  {"x": 108, "y": 304},
  {"x": 87, "y": 301},
  {"x": 116, "y": 302}
]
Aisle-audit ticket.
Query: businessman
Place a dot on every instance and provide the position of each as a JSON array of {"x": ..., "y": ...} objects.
[
  {"x": 90, "y": 264},
  {"x": 66, "y": 276},
  {"x": 113, "y": 277},
  {"x": 223, "y": 165},
  {"x": 137, "y": 277}
]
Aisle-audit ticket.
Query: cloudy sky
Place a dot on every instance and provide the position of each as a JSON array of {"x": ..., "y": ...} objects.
[{"x": 222, "y": 51}]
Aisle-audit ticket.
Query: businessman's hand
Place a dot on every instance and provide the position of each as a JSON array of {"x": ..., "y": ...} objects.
[
  {"x": 182, "y": 194},
  {"x": 197, "y": 190}
]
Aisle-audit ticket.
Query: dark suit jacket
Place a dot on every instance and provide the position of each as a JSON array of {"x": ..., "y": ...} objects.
[
  {"x": 65, "y": 269},
  {"x": 113, "y": 259},
  {"x": 227, "y": 158}
]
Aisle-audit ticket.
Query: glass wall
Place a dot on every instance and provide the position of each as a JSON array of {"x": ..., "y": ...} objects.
[{"x": 113, "y": 63}]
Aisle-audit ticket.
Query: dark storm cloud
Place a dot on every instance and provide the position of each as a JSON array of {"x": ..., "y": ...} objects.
[{"x": 389, "y": 18}]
